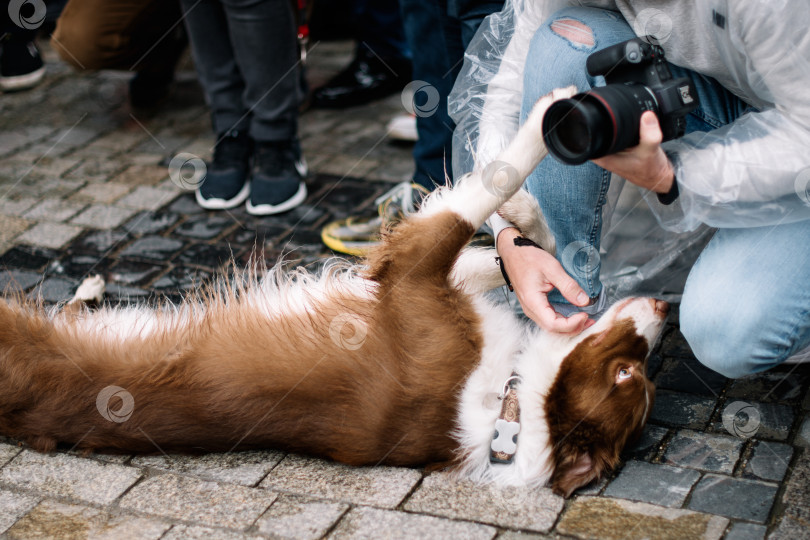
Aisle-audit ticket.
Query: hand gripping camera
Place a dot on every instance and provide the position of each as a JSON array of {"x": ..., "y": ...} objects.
[{"x": 605, "y": 120}]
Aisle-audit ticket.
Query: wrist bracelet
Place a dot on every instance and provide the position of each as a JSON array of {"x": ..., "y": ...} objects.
[{"x": 518, "y": 241}]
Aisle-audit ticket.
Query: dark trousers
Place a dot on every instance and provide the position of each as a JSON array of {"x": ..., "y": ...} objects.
[
  {"x": 438, "y": 31},
  {"x": 246, "y": 56}
]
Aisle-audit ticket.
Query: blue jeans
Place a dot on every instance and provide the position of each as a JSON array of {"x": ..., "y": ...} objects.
[
  {"x": 732, "y": 333},
  {"x": 438, "y": 31}
]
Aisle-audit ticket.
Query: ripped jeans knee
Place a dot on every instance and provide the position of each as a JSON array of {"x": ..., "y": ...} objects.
[
  {"x": 576, "y": 32},
  {"x": 562, "y": 44}
]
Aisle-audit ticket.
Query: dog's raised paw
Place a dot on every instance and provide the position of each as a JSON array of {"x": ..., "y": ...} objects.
[{"x": 90, "y": 290}]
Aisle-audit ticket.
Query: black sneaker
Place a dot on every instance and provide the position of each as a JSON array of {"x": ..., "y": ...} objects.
[
  {"x": 21, "y": 66},
  {"x": 226, "y": 181},
  {"x": 276, "y": 181}
]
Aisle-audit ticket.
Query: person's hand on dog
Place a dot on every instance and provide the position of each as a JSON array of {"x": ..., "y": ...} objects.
[
  {"x": 645, "y": 164},
  {"x": 535, "y": 273}
]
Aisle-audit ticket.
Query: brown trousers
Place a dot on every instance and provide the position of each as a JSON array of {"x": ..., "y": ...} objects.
[{"x": 133, "y": 35}]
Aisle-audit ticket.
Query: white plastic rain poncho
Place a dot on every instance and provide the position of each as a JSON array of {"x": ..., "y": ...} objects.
[{"x": 753, "y": 172}]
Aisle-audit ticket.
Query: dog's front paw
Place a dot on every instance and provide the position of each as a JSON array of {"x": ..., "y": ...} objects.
[
  {"x": 91, "y": 290},
  {"x": 523, "y": 211}
]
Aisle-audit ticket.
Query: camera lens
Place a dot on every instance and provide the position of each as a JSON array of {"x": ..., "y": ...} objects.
[
  {"x": 573, "y": 129},
  {"x": 573, "y": 132},
  {"x": 602, "y": 121}
]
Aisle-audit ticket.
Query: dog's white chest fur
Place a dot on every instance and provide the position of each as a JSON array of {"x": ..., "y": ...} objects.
[{"x": 509, "y": 346}]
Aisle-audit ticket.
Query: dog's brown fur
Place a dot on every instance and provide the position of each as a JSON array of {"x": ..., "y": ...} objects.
[
  {"x": 274, "y": 383},
  {"x": 590, "y": 417}
]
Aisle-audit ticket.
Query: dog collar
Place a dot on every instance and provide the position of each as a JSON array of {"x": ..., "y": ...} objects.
[{"x": 507, "y": 426}]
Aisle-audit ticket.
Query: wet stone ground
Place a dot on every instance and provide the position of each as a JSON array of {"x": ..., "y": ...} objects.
[{"x": 84, "y": 189}]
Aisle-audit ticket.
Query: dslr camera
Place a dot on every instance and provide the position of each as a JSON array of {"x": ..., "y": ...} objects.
[{"x": 605, "y": 120}]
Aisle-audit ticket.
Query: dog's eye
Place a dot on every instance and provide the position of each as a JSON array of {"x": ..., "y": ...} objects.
[{"x": 624, "y": 373}]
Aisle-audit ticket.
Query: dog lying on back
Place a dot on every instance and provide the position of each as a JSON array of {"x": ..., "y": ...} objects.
[{"x": 400, "y": 360}]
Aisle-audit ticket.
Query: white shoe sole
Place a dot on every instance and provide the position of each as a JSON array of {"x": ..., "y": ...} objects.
[
  {"x": 22, "y": 82},
  {"x": 302, "y": 168},
  {"x": 270, "y": 209},
  {"x": 222, "y": 204}
]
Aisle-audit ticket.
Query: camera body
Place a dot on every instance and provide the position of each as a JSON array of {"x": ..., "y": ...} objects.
[{"x": 605, "y": 120}]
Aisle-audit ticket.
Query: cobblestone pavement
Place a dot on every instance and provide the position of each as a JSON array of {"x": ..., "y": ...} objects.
[{"x": 85, "y": 189}]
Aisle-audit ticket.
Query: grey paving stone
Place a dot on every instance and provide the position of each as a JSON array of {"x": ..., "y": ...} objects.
[
  {"x": 53, "y": 188},
  {"x": 769, "y": 386},
  {"x": 55, "y": 289},
  {"x": 18, "y": 280},
  {"x": 661, "y": 485},
  {"x": 733, "y": 497},
  {"x": 515, "y": 535},
  {"x": 144, "y": 174},
  {"x": 377, "y": 486},
  {"x": 683, "y": 410},
  {"x": 517, "y": 508},
  {"x": 16, "y": 207},
  {"x": 10, "y": 229},
  {"x": 183, "y": 532},
  {"x": 292, "y": 516},
  {"x": 51, "y": 519},
  {"x": 244, "y": 468},
  {"x": 53, "y": 210},
  {"x": 185, "y": 204},
  {"x": 647, "y": 445},
  {"x": 746, "y": 531},
  {"x": 690, "y": 376},
  {"x": 774, "y": 420},
  {"x": 105, "y": 193},
  {"x": 116, "y": 290},
  {"x": 790, "y": 529},
  {"x": 152, "y": 248},
  {"x": 704, "y": 451},
  {"x": 151, "y": 222},
  {"x": 365, "y": 522},
  {"x": 615, "y": 519},
  {"x": 769, "y": 461},
  {"x": 54, "y": 166},
  {"x": 13, "y": 506},
  {"x": 103, "y": 216},
  {"x": 64, "y": 475},
  {"x": 147, "y": 198},
  {"x": 100, "y": 242},
  {"x": 204, "y": 227},
  {"x": 796, "y": 500},
  {"x": 28, "y": 258},
  {"x": 49, "y": 235},
  {"x": 593, "y": 488},
  {"x": 803, "y": 436},
  {"x": 190, "y": 499}
]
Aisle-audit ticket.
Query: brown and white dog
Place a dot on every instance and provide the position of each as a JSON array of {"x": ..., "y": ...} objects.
[{"x": 399, "y": 361}]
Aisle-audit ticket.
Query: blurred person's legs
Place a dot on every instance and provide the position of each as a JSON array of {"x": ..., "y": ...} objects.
[
  {"x": 21, "y": 65},
  {"x": 437, "y": 41},
  {"x": 144, "y": 36},
  {"x": 246, "y": 56},
  {"x": 382, "y": 62},
  {"x": 746, "y": 304}
]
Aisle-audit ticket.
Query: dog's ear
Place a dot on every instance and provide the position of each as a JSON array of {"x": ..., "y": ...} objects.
[{"x": 575, "y": 471}]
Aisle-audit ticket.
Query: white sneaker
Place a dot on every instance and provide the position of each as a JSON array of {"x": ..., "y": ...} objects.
[{"x": 403, "y": 128}]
